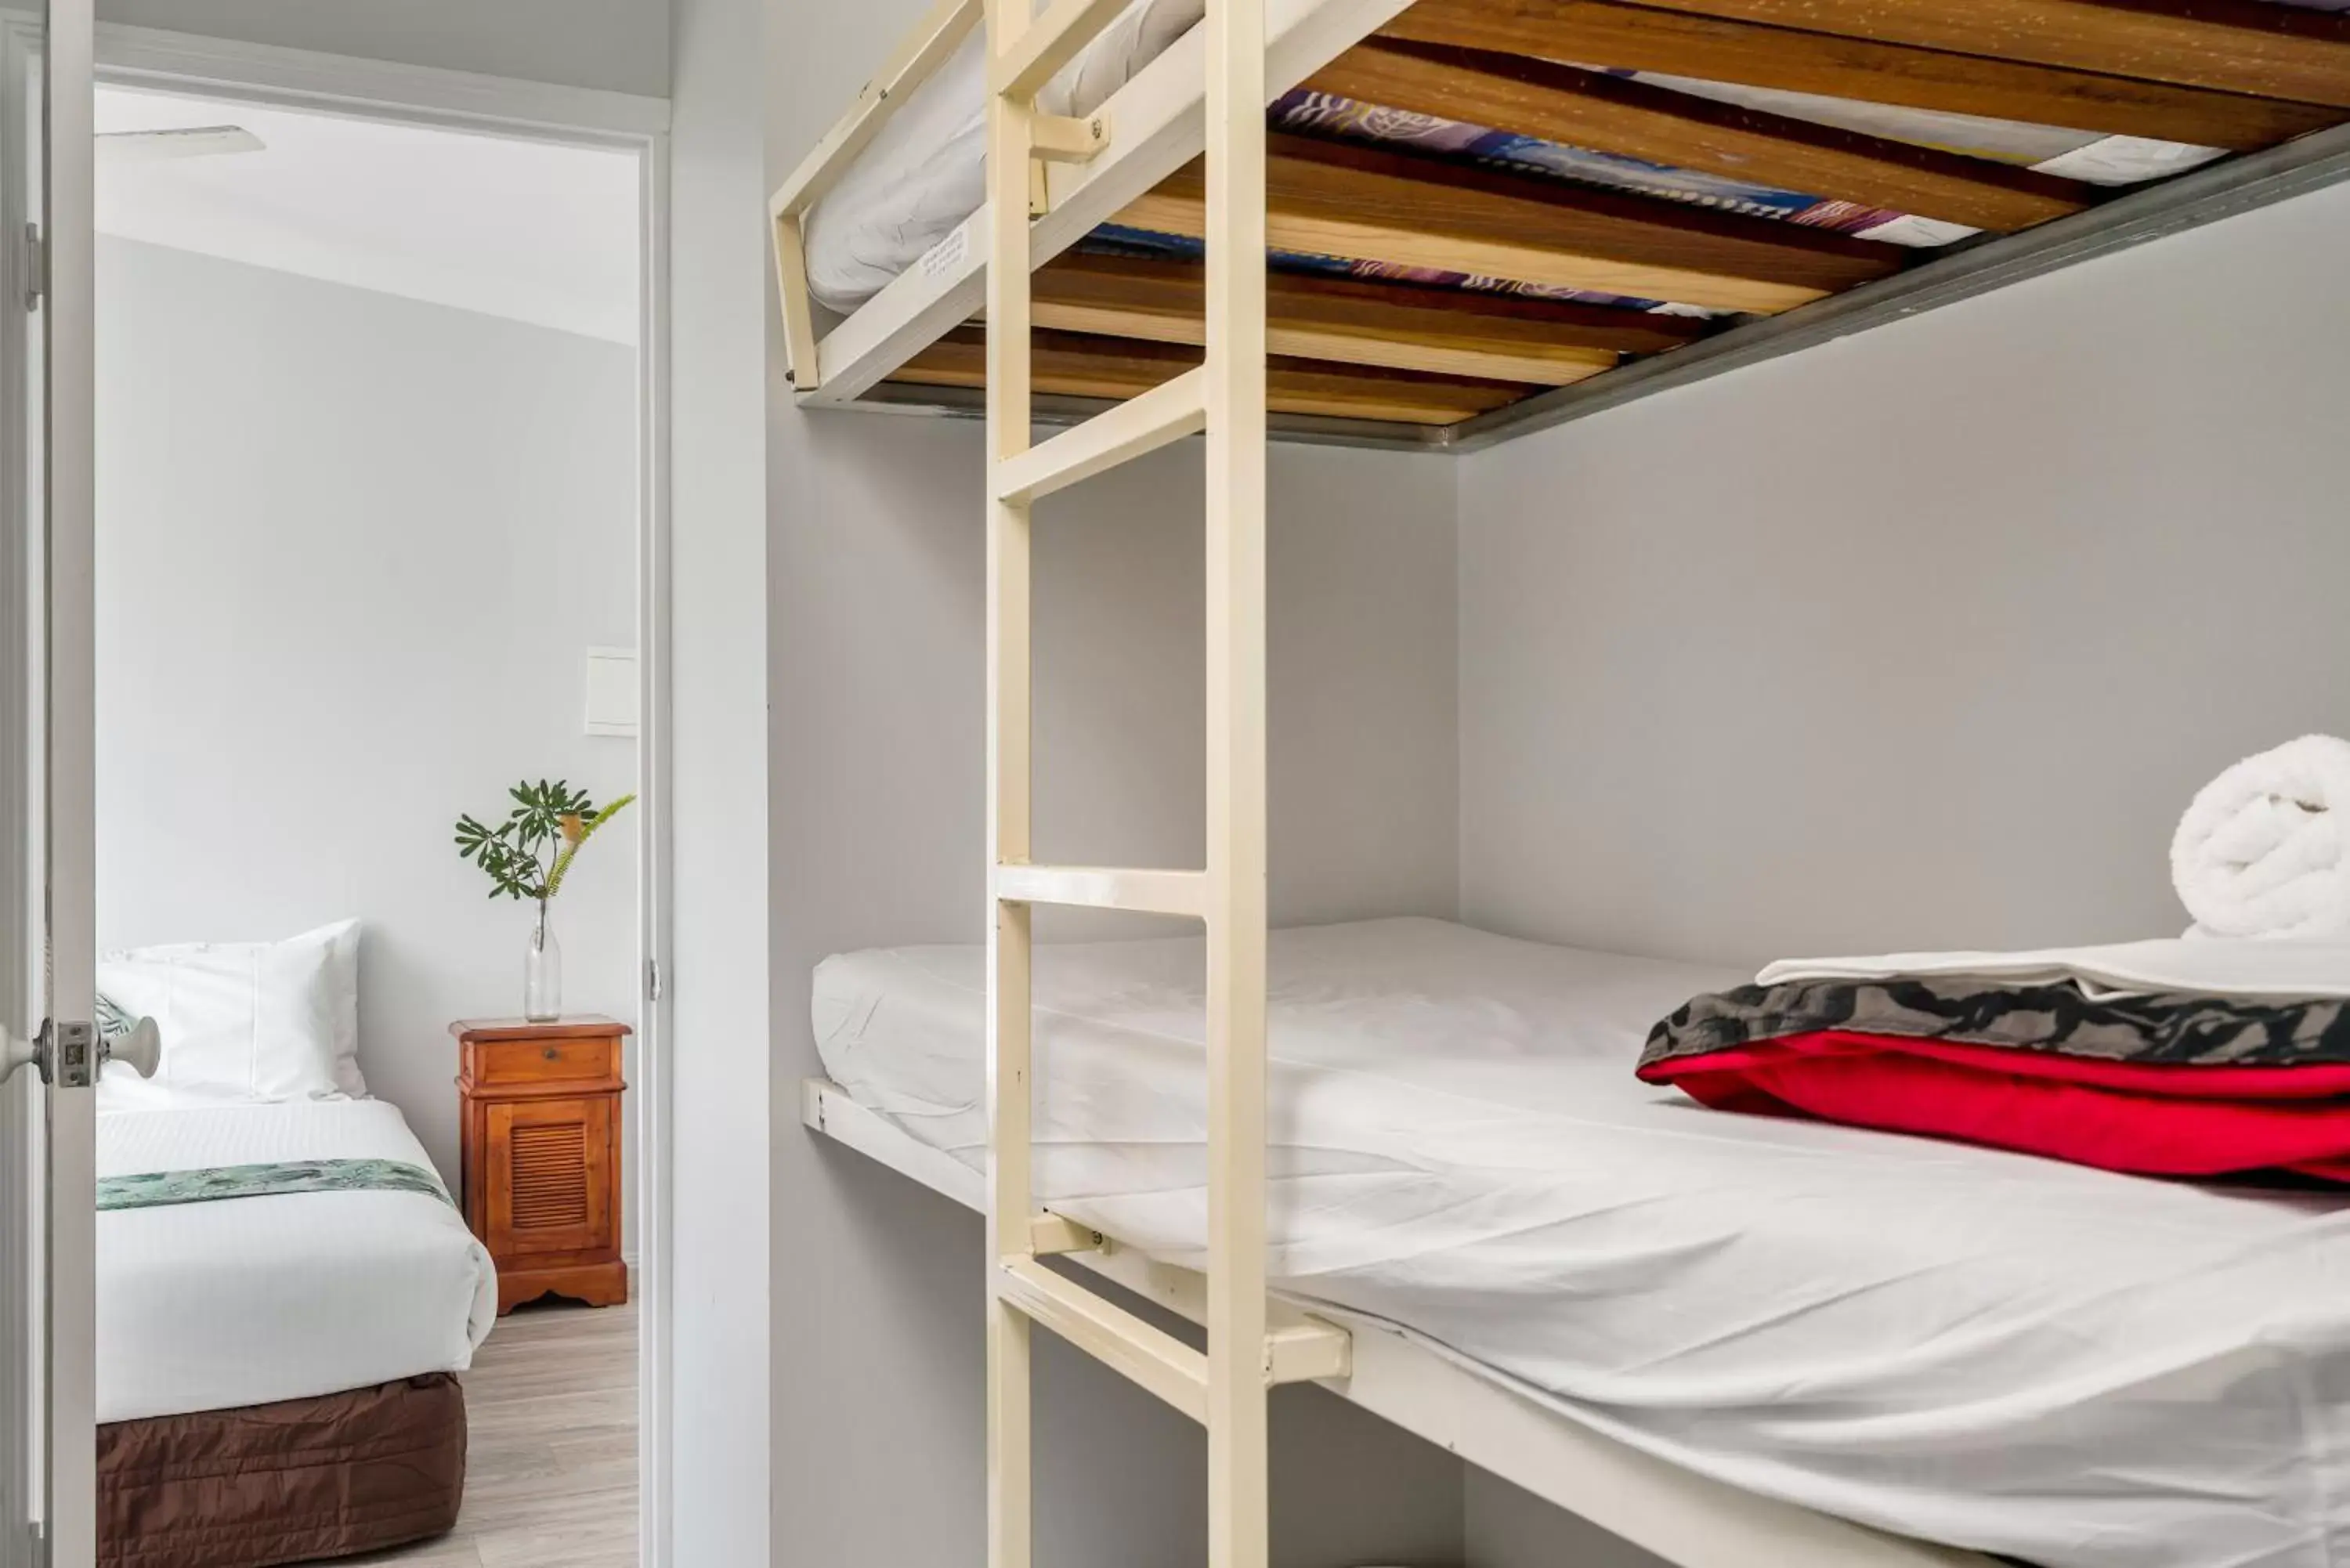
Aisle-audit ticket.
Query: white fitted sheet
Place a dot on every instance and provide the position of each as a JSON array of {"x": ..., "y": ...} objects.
[
  {"x": 2077, "y": 1369},
  {"x": 208, "y": 1306}
]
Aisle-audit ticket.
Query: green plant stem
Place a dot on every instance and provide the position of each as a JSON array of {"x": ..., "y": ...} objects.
[{"x": 554, "y": 882}]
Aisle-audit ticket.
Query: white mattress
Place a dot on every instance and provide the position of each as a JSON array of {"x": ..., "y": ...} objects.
[
  {"x": 2077, "y": 1369},
  {"x": 206, "y": 1306},
  {"x": 925, "y": 169}
]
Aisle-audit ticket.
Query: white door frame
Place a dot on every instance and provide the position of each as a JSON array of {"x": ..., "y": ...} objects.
[
  {"x": 68, "y": 491},
  {"x": 22, "y": 984},
  {"x": 463, "y": 100}
]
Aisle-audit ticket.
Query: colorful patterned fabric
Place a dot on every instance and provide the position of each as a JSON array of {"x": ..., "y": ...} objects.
[{"x": 162, "y": 1188}]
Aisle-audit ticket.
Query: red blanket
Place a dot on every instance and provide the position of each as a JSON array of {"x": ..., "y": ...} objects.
[{"x": 2167, "y": 1087}]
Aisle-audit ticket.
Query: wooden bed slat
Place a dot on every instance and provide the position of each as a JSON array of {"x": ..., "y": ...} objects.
[
  {"x": 1403, "y": 327},
  {"x": 1372, "y": 204},
  {"x": 1640, "y": 37},
  {"x": 1068, "y": 364},
  {"x": 1590, "y": 109},
  {"x": 2226, "y": 45}
]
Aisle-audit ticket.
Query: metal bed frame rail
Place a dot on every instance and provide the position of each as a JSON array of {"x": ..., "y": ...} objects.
[{"x": 1225, "y": 1388}]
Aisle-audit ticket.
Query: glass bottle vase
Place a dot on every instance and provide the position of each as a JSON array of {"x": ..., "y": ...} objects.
[{"x": 542, "y": 973}]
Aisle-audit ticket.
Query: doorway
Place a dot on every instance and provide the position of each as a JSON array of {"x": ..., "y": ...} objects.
[{"x": 390, "y": 544}]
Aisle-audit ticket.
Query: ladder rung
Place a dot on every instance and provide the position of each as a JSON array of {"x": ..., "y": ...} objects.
[
  {"x": 1105, "y": 888},
  {"x": 1168, "y": 412},
  {"x": 1160, "y": 1361}
]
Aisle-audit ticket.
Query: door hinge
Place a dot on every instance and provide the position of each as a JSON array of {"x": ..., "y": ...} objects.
[
  {"x": 652, "y": 980},
  {"x": 37, "y": 268}
]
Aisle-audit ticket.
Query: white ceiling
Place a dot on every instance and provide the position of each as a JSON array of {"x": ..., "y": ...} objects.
[{"x": 520, "y": 229}]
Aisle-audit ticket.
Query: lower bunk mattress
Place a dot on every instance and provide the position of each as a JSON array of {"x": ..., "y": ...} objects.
[
  {"x": 285, "y": 1295},
  {"x": 2068, "y": 1366}
]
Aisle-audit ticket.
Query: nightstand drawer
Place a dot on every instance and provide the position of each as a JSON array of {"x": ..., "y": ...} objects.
[{"x": 527, "y": 1063}]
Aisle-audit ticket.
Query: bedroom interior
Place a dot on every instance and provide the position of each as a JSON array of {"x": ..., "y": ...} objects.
[
  {"x": 367, "y": 545},
  {"x": 1612, "y": 659},
  {"x": 1910, "y": 618}
]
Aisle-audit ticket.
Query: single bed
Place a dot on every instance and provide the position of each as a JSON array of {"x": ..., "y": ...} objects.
[
  {"x": 2074, "y": 1368},
  {"x": 276, "y": 1372}
]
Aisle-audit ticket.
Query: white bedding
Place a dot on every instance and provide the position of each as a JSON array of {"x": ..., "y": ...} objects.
[
  {"x": 206, "y": 1306},
  {"x": 2080, "y": 1370},
  {"x": 925, "y": 169}
]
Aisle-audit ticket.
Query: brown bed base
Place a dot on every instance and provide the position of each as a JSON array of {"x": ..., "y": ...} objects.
[{"x": 292, "y": 1482}]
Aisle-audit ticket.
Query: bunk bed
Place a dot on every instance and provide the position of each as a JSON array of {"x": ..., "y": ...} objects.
[
  {"x": 1489, "y": 217},
  {"x": 1435, "y": 223}
]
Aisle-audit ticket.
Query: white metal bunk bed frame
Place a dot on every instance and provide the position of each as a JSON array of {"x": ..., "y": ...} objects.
[{"x": 1208, "y": 94}]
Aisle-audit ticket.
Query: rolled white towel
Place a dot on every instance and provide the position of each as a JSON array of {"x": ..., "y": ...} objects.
[{"x": 2264, "y": 849}]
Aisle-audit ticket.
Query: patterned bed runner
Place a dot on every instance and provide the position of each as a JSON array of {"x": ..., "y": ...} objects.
[{"x": 161, "y": 1188}]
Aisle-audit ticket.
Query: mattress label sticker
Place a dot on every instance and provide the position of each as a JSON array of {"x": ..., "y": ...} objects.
[{"x": 948, "y": 252}]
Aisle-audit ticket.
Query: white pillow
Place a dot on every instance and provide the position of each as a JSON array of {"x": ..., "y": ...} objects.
[{"x": 256, "y": 1021}]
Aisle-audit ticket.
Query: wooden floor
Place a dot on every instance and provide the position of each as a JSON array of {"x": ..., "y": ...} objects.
[{"x": 551, "y": 1474}]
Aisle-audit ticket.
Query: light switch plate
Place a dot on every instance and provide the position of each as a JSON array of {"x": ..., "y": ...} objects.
[{"x": 612, "y": 693}]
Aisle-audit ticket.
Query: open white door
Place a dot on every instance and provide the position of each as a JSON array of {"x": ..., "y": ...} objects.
[{"x": 49, "y": 1049}]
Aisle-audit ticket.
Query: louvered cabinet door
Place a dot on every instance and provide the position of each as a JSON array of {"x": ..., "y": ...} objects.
[{"x": 549, "y": 1176}]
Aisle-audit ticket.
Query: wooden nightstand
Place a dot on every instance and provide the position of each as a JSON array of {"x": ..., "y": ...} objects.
[{"x": 541, "y": 1127}]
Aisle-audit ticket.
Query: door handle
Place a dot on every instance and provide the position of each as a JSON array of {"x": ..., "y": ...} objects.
[
  {"x": 141, "y": 1049},
  {"x": 16, "y": 1052}
]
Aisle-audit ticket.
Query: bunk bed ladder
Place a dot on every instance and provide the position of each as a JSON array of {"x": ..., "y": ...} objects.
[{"x": 1224, "y": 1389}]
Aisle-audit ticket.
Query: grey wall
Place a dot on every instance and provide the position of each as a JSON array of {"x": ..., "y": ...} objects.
[
  {"x": 352, "y": 549},
  {"x": 621, "y": 45},
  {"x": 1920, "y": 640},
  {"x": 1506, "y": 1526}
]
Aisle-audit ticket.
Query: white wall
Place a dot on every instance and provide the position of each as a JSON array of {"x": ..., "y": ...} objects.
[
  {"x": 621, "y": 46},
  {"x": 720, "y": 876},
  {"x": 352, "y": 550},
  {"x": 1923, "y": 638}
]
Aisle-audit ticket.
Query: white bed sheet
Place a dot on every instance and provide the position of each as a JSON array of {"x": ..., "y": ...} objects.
[
  {"x": 207, "y": 1306},
  {"x": 2080, "y": 1370}
]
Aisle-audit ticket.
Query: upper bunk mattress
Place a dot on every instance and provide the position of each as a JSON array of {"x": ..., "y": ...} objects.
[
  {"x": 245, "y": 1301},
  {"x": 925, "y": 170},
  {"x": 2076, "y": 1368}
]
